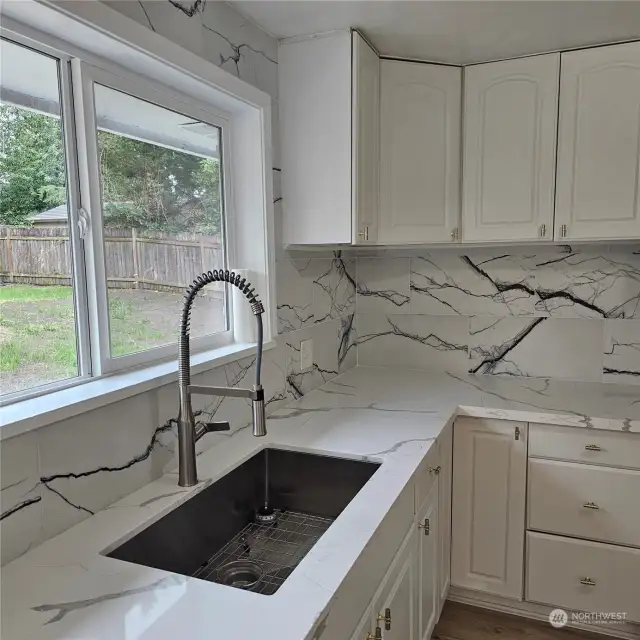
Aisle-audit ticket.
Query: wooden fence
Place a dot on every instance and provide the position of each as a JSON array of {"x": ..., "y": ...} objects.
[{"x": 134, "y": 260}]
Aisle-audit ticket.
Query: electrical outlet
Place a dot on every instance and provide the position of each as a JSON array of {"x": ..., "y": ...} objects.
[{"x": 306, "y": 354}]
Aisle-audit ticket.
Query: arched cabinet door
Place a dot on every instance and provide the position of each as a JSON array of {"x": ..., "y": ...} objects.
[
  {"x": 419, "y": 152},
  {"x": 510, "y": 121},
  {"x": 597, "y": 191}
]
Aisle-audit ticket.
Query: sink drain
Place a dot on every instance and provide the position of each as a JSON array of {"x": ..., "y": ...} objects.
[{"x": 242, "y": 574}]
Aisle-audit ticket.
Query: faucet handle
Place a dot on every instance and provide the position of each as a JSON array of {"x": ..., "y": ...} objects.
[{"x": 209, "y": 427}]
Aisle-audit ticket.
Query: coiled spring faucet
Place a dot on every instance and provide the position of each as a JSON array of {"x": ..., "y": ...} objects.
[{"x": 188, "y": 432}]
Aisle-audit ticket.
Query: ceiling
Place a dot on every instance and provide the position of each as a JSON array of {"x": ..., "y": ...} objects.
[{"x": 452, "y": 31}]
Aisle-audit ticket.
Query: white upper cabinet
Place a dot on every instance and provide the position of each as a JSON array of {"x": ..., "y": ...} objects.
[
  {"x": 597, "y": 192},
  {"x": 365, "y": 141},
  {"x": 419, "y": 152},
  {"x": 329, "y": 139},
  {"x": 510, "y": 120}
]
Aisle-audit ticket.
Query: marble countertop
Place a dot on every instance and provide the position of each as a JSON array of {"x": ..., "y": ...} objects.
[{"x": 66, "y": 589}]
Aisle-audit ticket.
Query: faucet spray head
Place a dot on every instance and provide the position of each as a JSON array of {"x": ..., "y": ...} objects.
[{"x": 259, "y": 419}]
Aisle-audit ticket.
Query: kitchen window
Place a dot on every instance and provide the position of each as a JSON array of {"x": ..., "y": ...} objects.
[{"x": 115, "y": 193}]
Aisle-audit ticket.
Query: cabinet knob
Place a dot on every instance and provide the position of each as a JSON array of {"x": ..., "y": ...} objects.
[
  {"x": 588, "y": 581},
  {"x": 592, "y": 447},
  {"x": 386, "y": 618},
  {"x": 435, "y": 470},
  {"x": 590, "y": 505}
]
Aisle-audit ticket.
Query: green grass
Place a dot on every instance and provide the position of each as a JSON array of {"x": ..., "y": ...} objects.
[
  {"x": 29, "y": 293},
  {"x": 37, "y": 329}
]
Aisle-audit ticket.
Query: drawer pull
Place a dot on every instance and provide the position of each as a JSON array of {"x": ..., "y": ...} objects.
[
  {"x": 588, "y": 581},
  {"x": 435, "y": 470},
  {"x": 590, "y": 505},
  {"x": 592, "y": 447},
  {"x": 386, "y": 618}
]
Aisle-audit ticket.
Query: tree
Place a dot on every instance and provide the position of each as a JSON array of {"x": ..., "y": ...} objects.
[
  {"x": 144, "y": 185},
  {"x": 32, "y": 172}
]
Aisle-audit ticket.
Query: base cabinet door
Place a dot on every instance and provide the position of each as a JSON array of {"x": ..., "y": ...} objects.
[
  {"x": 428, "y": 583},
  {"x": 394, "y": 609},
  {"x": 488, "y": 518}
]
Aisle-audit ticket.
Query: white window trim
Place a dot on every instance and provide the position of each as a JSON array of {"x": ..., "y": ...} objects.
[{"x": 103, "y": 38}]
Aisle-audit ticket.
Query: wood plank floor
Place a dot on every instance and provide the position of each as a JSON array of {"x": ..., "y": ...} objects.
[{"x": 463, "y": 622}]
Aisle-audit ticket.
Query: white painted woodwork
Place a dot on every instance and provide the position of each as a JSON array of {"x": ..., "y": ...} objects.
[
  {"x": 556, "y": 566},
  {"x": 594, "y": 446},
  {"x": 364, "y": 626},
  {"x": 314, "y": 78},
  {"x": 597, "y": 191},
  {"x": 398, "y": 594},
  {"x": 510, "y": 121},
  {"x": 445, "y": 450},
  {"x": 425, "y": 476},
  {"x": 559, "y": 491},
  {"x": 419, "y": 152},
  {"x": 488, "y": 510},
  {"x": 428, "y": 582},
  {"x": 359, "y": 588},
  {"x": 365, "y": 141}
]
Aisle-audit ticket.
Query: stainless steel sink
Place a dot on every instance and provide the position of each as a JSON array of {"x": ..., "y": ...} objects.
[{"x": 215, "y": 536}]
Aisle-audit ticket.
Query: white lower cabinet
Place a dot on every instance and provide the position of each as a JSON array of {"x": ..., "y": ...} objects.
[
  {"x": 488, "y": 518},
  {"x": 428, "y": 582}
]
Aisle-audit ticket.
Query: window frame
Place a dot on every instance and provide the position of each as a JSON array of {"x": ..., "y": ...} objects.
[
  {"x": 85, "y": 76},
  {"x": 111, "y": 42}
]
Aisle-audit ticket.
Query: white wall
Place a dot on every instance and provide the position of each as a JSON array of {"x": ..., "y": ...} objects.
[{"x": 56, "y": 476}]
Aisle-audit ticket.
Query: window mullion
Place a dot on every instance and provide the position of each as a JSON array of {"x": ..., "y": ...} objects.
[
  {"x": 76, "y": 240},
  {"x": 91, "y": 202}
]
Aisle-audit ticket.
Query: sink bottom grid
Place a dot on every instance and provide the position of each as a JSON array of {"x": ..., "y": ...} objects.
[{"x": 278, "y": 548}]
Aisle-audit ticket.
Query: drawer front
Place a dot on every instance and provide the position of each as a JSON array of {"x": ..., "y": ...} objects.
[
  {"x": 557, "y": 569},
  {"x": 426, "y": 475},
  {"x": 601, "y": 503},
  {"x": 594, "y": 446}
]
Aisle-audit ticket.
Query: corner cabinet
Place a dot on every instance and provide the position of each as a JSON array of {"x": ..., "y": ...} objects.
[
  {"x": 597, "y": 194},
  {"x": 489, "y": 495},
  {"x": 329, "y": 123},
  {"x": 419, "y": 152},
  {"x": 510, "y": 121}
]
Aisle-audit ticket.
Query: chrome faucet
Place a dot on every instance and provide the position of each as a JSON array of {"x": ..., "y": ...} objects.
[{"x": 188, "y": 432}]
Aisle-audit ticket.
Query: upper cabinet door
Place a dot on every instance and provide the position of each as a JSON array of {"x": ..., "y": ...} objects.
[
  {"x": 597, "y": 192},
  {"x": 419, "y": 152},
  {"x": 510, "y": 149},
  {"x": 314, "y": 79},
  {"x": 365, "y": 141}
]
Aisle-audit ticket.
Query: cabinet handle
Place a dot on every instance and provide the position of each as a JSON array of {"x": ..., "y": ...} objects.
[
  {"x": 378, "y": 635},
  {"x": 563, "y": 231},
  {"x": 588, "y": 581},
  {"x": 364, "y": 234},
  {"x": 386, "y": 618},
  {"x": 435, "y": 470},
  {"x": 454, "y": 234},
  {"x": 426, "y": 526},
  {"x": 590, "y": 505},
  {"x": 543, "y": 230},
  {"x": 517, "y": 433},
  {"x": 592, "y": 447}
]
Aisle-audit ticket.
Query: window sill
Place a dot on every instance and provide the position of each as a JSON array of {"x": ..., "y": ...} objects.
[{"x": 34, "y": 413}]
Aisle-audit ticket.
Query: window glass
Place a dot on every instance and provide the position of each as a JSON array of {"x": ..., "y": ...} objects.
[
  {"x": 163, "y": 217},
  {"x": 38, "y": 343}
]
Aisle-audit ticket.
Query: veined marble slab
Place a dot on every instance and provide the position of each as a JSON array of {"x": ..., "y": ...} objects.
[{"x": 66, "y": 589}]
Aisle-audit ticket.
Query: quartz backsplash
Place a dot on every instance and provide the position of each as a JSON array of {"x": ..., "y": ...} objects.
[{"x": 569, "y": 312}]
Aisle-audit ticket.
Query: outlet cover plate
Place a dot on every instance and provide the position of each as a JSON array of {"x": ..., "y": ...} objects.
[{"x": 306, "y": 354}]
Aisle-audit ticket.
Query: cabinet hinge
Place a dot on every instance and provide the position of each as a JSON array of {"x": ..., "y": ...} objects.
[{"x": 517, "y": 434}]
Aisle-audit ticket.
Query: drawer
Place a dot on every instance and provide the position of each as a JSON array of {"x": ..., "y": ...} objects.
[
  {"x": 426, "y": 475},
  {"x": 585, "y": 501},
  {"x": 594, "y": 446},
  {"x": 557, "y": 567}
]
